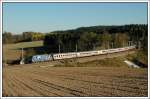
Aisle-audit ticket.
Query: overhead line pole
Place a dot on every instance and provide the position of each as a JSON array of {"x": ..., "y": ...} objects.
[
  {"x": 76, "y": 48},
  {"x": 59, "y": 48},
  {"x": 76, "y": 53},
  {"x": 22, "y": 58},
  {"x": 22, "y": 53},
  {"x": 112, "y": 45},
  {"x": 107, "y": 48}
]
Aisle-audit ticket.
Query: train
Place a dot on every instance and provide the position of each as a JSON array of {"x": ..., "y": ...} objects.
[{"x": 59, "y": 56}]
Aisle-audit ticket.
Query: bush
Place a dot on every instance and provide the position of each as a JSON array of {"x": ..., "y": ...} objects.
[{"x": 30, "y": 52}]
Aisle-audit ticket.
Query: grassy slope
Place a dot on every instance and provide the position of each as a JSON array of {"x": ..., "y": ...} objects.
[
  {"x": 12, "y": 52},
  {"x": 108, "y": 62}
]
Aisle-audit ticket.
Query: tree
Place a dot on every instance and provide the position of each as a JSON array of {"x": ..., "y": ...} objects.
[
  {"x": 7, "y": 37},
  {"x": 121, "y": 40},
  {"x": 106, "y": 39},
  {"x": 87, "y": 40},
  {"x": 27, "y": 36}
]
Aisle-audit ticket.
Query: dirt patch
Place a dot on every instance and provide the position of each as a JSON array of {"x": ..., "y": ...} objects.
[{"x": 74, "y": 81}]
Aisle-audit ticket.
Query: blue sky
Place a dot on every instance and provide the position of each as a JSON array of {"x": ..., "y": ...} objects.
[{"x": 47, "y": 17}]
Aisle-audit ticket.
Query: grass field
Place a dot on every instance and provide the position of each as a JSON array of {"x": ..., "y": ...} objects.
[{"x": 13, "y": 52}]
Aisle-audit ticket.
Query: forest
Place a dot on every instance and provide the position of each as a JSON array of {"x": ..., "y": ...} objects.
[{"x": 97, "y": 37}]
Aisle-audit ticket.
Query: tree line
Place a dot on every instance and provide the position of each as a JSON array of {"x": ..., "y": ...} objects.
[
  {"x": 9, "y": 38},
  {"x": 97, "y": 37}
]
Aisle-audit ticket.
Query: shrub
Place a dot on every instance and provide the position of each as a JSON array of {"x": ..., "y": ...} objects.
[{"x": 30, "y": 52}]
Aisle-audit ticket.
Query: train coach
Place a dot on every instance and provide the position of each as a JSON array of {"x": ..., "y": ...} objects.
[
  {"x": 88, "y": 53},
  {"x": 64, "y": 55}
]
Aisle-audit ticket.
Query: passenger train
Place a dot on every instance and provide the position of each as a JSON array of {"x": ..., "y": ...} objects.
[{"x": 58, "y": 56}]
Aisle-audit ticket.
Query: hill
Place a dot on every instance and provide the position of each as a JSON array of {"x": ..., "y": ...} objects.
[{"x": 13, "y": 51}]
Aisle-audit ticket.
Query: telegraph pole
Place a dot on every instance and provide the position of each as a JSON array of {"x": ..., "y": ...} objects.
[
  {"x": 107, "y": 48},
  {"x": 76, "y": 60},
  {"x": 22, "y": 59},
  {"x": 132, "y": 43},
  {"x": 93, "y": 46},
  {"x": 22, "y": 53},
  {"x": 108, "y": 45},
  {"x": 59, "y": 48},
  {"x": 112, "y": 45},
  {"x": 76, "y": 47},
  {"x": 129, "y": 43},
  {"x": 126, "y": 44},
  {"x": 139, "y": 45}
]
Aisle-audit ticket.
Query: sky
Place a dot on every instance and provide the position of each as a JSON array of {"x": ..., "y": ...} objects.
[{"x": 47, "y": 17}]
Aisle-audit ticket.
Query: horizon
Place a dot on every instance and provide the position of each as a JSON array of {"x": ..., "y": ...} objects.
[
  {"x": 69, "y": 16},
  {"x": 70, "y": 29}
]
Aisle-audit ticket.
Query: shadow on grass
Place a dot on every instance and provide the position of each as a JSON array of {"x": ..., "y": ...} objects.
[{"x": 143, "y": 65}]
